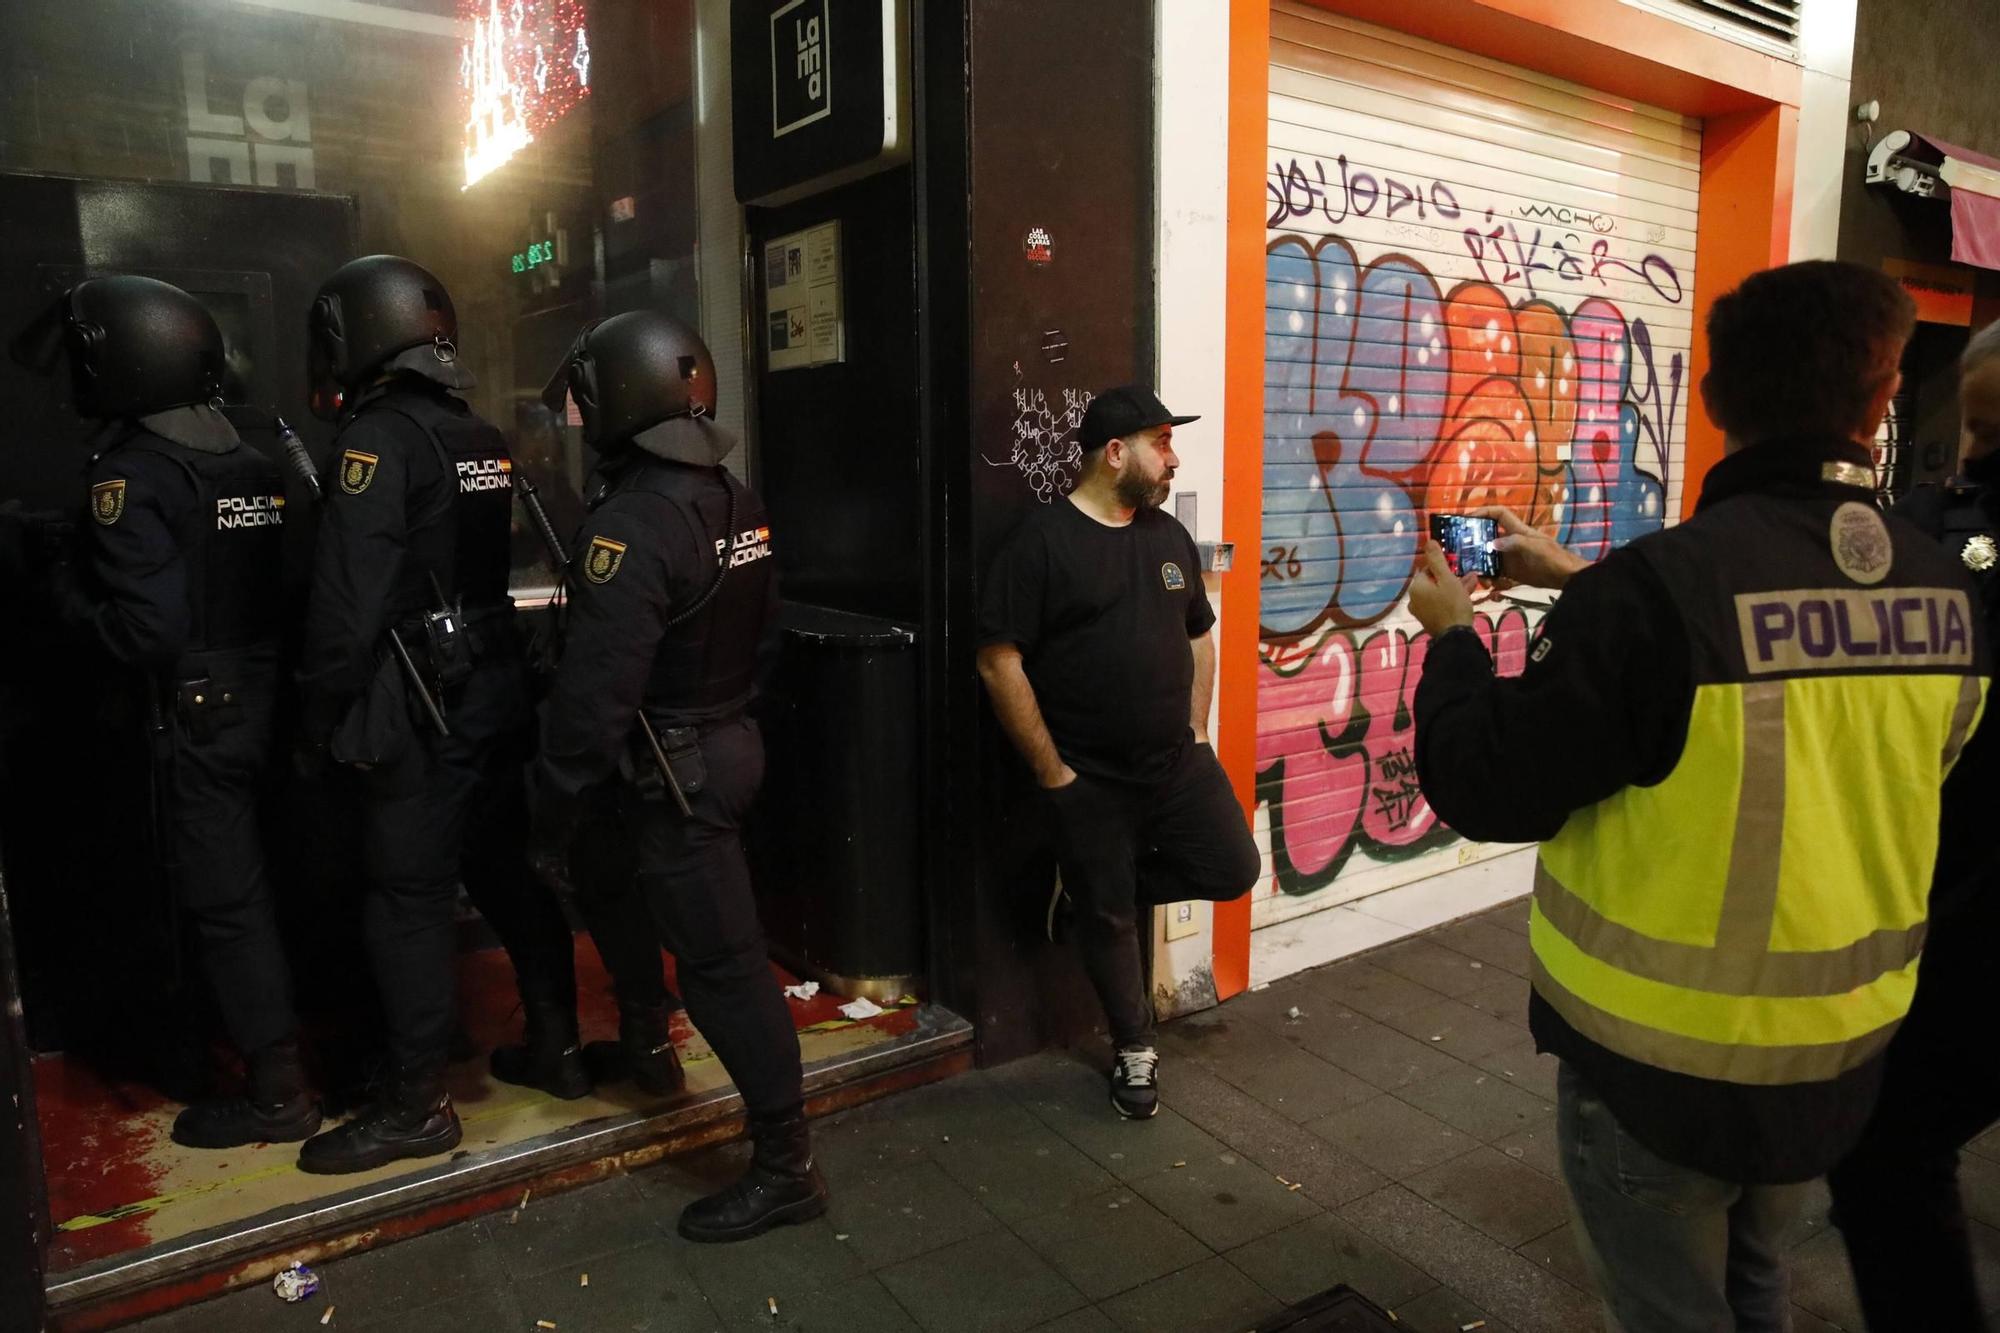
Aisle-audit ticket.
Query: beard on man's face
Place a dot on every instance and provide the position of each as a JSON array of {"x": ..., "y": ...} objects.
[{"x": 1138, "y": 491}]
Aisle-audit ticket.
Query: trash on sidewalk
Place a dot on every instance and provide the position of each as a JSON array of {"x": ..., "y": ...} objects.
[
  {"x": 1294, "y": 1014},
  {"x": 585, "y": 1281},
  {"x": 327, "y": 1318},
  {"x": 772, "y": 1301},
  {"x": 295, "y": 1283},
  {"x": 1467, "y": 1328},
  {"x": 515, "y": 1216},
  {"x": 861, "y": 1008},
  {"x": 804, "y": 990},
  {"x": 545, "y": 1323}
]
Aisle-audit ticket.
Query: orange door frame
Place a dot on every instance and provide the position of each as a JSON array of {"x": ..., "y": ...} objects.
[{"x": 1749, "y": 106}]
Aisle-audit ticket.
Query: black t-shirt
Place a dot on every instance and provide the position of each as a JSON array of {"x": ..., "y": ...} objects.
[{"x": 1103, "y": 617}]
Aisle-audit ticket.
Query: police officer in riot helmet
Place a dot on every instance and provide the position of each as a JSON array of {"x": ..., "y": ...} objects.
[
  {"x": 416, "y": 692},
  {"x": 672, "y": 595},
  {"x": 178, "y": 580}
]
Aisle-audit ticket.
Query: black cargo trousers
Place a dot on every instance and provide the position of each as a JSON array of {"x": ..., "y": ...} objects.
[
  {"x": 212, "y": 764},
  {"x": 648, "y": 875},
  {"x": 452, "y": 806}
]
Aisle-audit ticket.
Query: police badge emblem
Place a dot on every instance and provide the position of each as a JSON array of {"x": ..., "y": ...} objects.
[
  {"x": 107, "y": 501},
  {"x": 1980, "y": 553},
  {"x": 357, "y": 470},
  {"x": 602, "y": 560},
  {"x": 1860, "y": 542}
]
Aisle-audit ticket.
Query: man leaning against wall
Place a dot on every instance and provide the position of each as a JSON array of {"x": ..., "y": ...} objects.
[{"x": 1729, "y": 739}]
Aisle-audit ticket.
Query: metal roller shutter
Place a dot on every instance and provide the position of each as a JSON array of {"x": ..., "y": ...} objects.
[{"x": 1480, "y": 288}]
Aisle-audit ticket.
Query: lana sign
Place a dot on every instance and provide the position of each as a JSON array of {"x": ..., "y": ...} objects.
[{"x": 820, "y": 92}]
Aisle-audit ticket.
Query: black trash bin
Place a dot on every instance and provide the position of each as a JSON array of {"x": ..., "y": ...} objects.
[{"x": 834, "y": 839}]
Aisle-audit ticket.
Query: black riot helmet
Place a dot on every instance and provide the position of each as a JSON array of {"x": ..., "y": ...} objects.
[
  {"x": 370, "y": 311},
  {"x": 135, "y": 345},
  {"x": 633, "y": 372}
]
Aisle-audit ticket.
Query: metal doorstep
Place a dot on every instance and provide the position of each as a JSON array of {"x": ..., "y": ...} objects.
[{"x": 617, "y": 1142}]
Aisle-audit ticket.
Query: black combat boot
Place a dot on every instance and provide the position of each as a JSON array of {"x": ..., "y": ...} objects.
[
  {"x": 782, "y": 1185},
  {"x": 550, "y": 1056},
  {"x": 413, "y": 1119},
  {"x": 644, "y": 1053},
  {"x": 274, "y": 1107}
]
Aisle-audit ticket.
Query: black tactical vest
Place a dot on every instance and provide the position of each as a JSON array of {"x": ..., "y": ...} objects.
[
  {"x": 232, "y": 539},
  {"x": 706, "y": 665},
  {"x": 461, "y": 519}
]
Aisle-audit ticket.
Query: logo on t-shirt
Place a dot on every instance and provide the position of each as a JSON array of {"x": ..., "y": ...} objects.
[{"x": 1170, "y": 574}]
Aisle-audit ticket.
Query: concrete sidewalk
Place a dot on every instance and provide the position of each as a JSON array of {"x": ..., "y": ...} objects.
[{"x": 1382, "y": 1121}]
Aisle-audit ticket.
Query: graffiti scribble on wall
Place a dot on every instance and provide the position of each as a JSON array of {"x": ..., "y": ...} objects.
[
  {"x": 1044, "y": 449},
  {"x": 1390, "y": 396}
]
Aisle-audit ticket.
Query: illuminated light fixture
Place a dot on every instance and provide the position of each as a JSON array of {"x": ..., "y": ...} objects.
[{"x": 524, "y": 65}]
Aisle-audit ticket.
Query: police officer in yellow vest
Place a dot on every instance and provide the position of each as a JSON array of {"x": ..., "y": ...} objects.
[{"x": 1729, "y": 739}]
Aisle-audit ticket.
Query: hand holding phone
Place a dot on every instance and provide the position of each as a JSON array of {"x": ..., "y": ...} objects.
[{"x": 1467, "y": 542}]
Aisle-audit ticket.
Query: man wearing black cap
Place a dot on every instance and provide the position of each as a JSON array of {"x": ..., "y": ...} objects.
[{"x": 1096, "y": 647}]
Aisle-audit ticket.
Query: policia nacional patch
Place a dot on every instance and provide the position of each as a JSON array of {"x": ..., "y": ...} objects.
[
  {"x": 602, "y": 560},
  {"x": 107, "y": 501},
  {"x": 357, "y": 470}
]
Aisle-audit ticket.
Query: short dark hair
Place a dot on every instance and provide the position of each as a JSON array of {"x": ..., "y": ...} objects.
[{"x": 1803, "y": 349}]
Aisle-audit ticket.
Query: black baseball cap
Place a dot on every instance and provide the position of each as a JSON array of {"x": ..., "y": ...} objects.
[{"x": 1123, "y": 411}]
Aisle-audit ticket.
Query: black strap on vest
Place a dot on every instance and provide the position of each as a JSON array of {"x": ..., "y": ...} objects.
[{"x": 721, "y": 560}]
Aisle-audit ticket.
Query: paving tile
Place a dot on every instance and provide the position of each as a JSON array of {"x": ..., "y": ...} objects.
[
  {"x": 1987, "y": 1145},
  {"x": 1475, "y": 1102},
  {"x": 970, "y": 1110},
  {"x": 470, "y": 1314},
  {"x": 1211, "y": 1297},
  {"x": 1373, "y": 1052},
  {"x": 1510, "y": 917},
  {"x": 1329, "y": 1177},
  {"x": 1455, "y": 1029},
  {"x": 1129, "y": 1149},
  {"x": 1520, "y": 1065},
  {"x": 1308, "y": 1257},
  {"x": 1556, "y": 1251},
  {"x": 1442, "y": 1310},
  {"x": 906, "y": 1213},
  {"x": 849, "y": 1147},
  {"x": 1271, "y": 1006},
  {"x": 1510, "y": 1202},
  {"x": 1505, "y": 998},
  {"x": 1019, "y": 1177},
  {"x": 1226, "y": 1200},
  {"x": 1979, "y": 1182},
  {"x": 1369, "y": 990},
  {"x": 1499, "y": 941},
  {"x": 1426, "y": 961},
  {"x": 560, "y": 1230},
  {"x": 1392, "y": 1137},
  {"x": 646, "y": 1286},
  {"x": 862, "y": 1303},
  {"x": 991, "y": 1284},
  {"x": 1537, "y": 1148},
  {"x": 1805, "y": 1321},
  {"x": 1089, "y": 1319},
  {"x": 1512, "y": 1287},
  {"x": 1295, "y": 1083},
  {"x": 1111, "y": 1242},
  {"x": 1822, "y": 1283},
  {"x": 1812, "y": 1217}
]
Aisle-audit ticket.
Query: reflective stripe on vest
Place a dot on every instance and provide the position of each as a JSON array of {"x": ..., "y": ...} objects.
[{"x": 1757, "y": 916}]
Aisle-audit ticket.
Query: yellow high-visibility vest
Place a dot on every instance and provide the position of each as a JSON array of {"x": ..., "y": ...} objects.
[{"x": 1758, "y": 916}]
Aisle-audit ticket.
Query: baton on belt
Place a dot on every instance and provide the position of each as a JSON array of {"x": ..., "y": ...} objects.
[{"x": 538, "y": 517}]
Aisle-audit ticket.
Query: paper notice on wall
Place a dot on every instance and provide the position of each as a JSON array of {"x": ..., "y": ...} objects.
[{"x": 804, "y": 322}]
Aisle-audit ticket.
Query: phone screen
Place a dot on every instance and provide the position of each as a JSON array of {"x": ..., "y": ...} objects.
[{"x": 1467, "y": 543}]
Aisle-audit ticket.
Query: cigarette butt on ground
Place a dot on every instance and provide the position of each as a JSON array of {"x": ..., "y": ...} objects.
[
  {"x": 545, "y": 1323},
  {"x": 1179, "y": 1165},
  {"x": 772, "y": 1301},
  {"x": 1467, "y": 1328},
  {"x": 585, "y": 1282},
  {"x": 327, "y": 1318}
]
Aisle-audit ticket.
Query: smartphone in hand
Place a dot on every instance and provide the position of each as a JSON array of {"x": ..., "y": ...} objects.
[{"x": 1467, "y": 543}]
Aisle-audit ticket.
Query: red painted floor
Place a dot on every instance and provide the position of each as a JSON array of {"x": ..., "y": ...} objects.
[{"x": 117, "y": 1182}]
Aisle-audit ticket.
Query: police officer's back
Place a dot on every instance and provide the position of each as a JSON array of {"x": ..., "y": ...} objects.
[
  {"x": 181, "y": 584},
  {"x": 413, "y": 676},
  {"x": 671, "y": 598}
]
